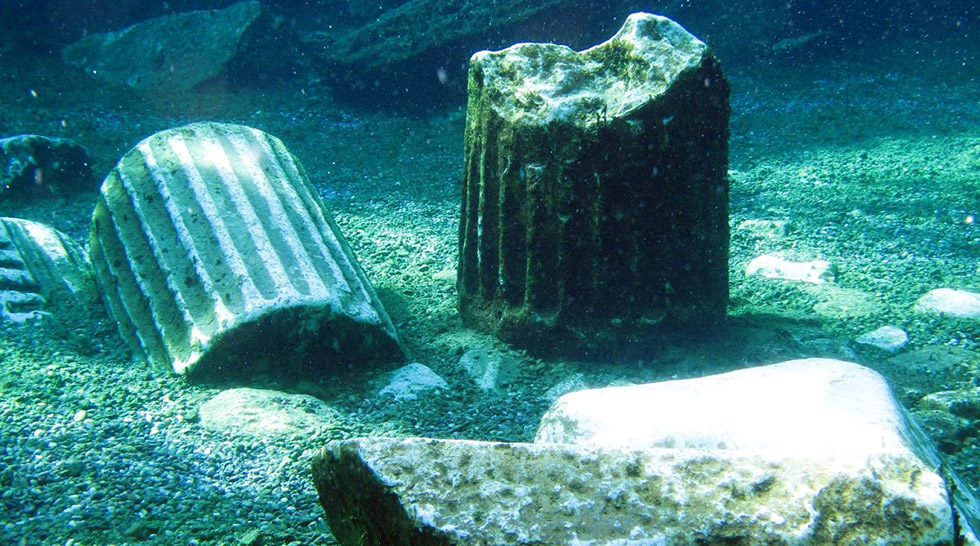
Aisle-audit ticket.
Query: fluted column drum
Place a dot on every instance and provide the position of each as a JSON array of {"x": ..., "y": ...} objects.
[{"x": 218, "y": 259}]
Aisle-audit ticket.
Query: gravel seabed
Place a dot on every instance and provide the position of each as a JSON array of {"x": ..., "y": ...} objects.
[{"x": 875, "y": 165}]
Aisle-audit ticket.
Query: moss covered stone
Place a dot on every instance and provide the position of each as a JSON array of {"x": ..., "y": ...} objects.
[{"x": 595, "y": 192}]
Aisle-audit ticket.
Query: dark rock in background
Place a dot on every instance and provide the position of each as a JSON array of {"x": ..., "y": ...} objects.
[
  {"x": 420, "y": 48},
  {"x": 416, "y": 54},
  {"x": 413, "y": 53},
  {"x": 40, "y": 166},
  {"x": 183, "y": 51}
]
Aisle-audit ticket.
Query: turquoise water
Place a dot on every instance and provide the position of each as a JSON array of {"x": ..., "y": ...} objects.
[{"x": 853, "y": 139}]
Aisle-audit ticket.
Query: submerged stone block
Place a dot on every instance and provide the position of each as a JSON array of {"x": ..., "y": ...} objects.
[
  {"x": 42, "y": 271},
  {"x": 595, "y": 191},
  {"x": 807, "y": 452},
  {"x": 217, "y": 258},
  {"x": 423, "y": 491}
]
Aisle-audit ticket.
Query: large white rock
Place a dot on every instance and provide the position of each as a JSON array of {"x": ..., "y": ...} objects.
[
  {"x": 821, "y": 415},
  {"x": 774, "y": 267},
  {"x": 805, "y": 452},
  {"x": 462, "y": 492},
  {"x": 947, "y": 301},
  {"x": 813, "y": 406}
]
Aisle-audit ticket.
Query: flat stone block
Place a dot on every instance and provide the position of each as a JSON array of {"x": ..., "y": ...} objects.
[
  {"x": 419, "y": 491},
  {"x": 218, "y": 259},
  {"x": 805, "y": 406},
  {"x": 807, "y": 452}
]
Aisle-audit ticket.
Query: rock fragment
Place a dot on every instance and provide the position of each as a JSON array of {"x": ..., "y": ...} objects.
[
  {"x": 951, "y": 302},
  {"x": 35, "y": 165},
  {"x": 887, "y": 338},
  {"x": 42, "y": 271},
  {"x": 263, "y": 413},
  {"x": 775, "y": 267},
  {"x": 412, "y": 380},
  {"x": 488, "y": 368},
  {"x": 219, "y": 260}
]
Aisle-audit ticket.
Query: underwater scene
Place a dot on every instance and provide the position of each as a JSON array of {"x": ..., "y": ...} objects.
[{"x": 447, "y": 272}]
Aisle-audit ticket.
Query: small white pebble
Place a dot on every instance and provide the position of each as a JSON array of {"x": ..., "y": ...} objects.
[{"x": 79, "y": 416}]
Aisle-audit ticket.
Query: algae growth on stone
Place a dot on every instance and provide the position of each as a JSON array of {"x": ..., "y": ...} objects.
[{"x": 595, "y": 190}]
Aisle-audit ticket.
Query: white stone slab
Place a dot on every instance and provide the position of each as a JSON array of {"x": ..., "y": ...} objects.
[
  {"x": 775, "y": 267},
  {"x": 813, "y": 406},
  {"x": 947, "y": 301},
  {"x": 807, "y": 452}
]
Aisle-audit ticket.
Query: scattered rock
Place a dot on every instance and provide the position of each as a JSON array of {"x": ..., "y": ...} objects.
[
  {"x": 932, "y": 368},
  {"x": 411, "y": 380},
  {"x": 139, "y": 531},
  {"x": 261, "y": 413},
  {"x": 446, "y": 275},
  {"x": 252, "y": 537},
  {"x": 950, "y": 432},
  {"x": 175, "y": 52},
  {"x": 573, "y": 383},
  {"x": 947, "y": 301},
  {"x": 765, "y": 229},
  {"x": 961, "y": 403},
  {"x": 489, "y": 369},
  {"x": 219, "y": 261},
  {"x": 841, "y": 303},
  {"x": 887, "y": 338},
  {"x": 774, "y": 267},
  {"x": 34, "y": 165},
  {"x": 588, "y": 268},
  {"x": 42, "y": 271}
]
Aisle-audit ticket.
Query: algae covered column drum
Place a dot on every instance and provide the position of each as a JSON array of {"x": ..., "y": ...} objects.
[
  {"x": 595, "y": 189},
  {"x": 218, "y": 260}
]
